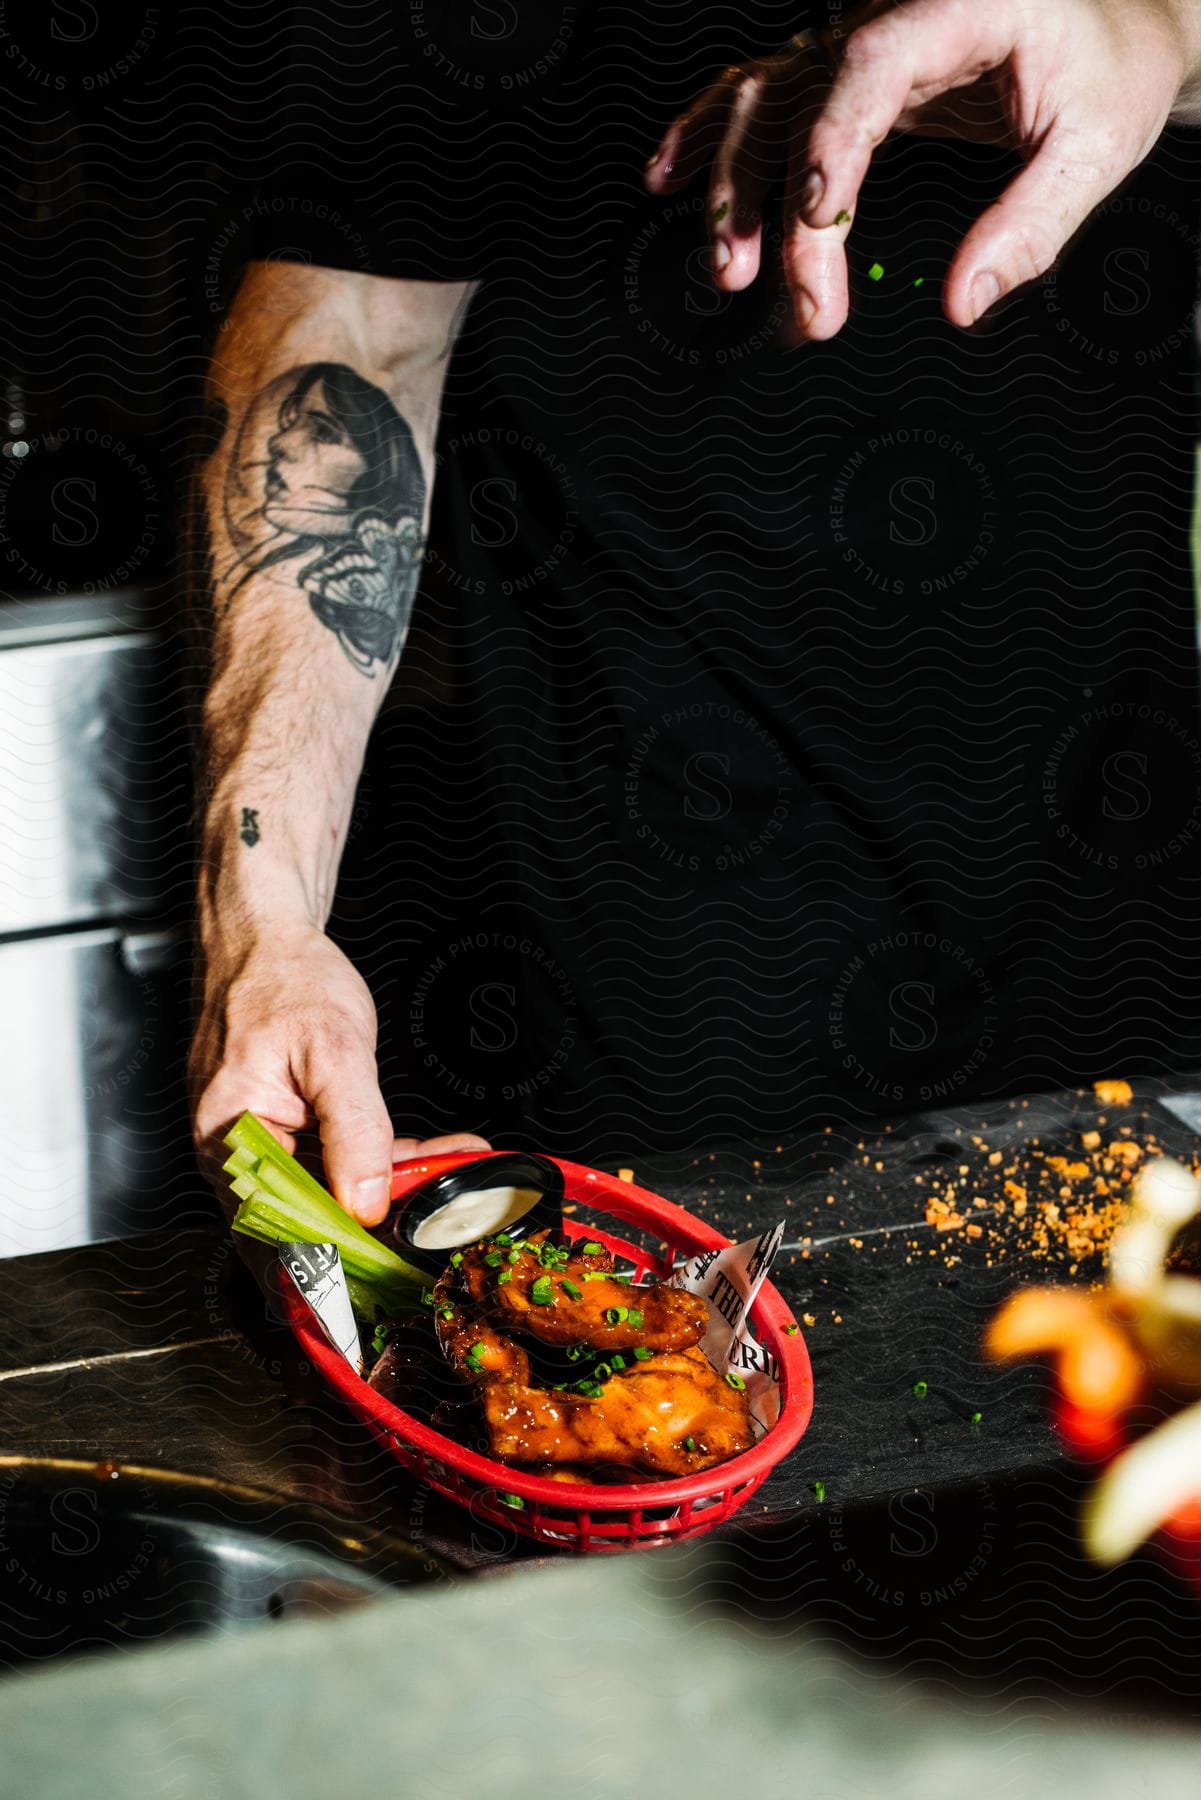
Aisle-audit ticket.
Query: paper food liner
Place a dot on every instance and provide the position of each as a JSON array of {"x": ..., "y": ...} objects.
[
  {"x": 726, "y": 1280},
  {"x": 317, "y": 1272}
]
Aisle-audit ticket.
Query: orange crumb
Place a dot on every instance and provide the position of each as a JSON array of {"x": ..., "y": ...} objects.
[{"x": 1113, "y": 1093}]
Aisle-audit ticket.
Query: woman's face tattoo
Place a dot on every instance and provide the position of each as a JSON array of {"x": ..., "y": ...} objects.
[
  {"x": 312, "y": 467},
  {"x": 326, "y": 470}
]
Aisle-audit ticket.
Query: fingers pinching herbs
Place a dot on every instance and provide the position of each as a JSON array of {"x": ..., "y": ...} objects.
[{"x": 892, "y": 64}]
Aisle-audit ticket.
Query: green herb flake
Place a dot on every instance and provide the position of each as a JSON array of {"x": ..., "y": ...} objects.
[
  {"x": 791, "y": 1330},
  {"x": 919, "y": 281},
  {"x": 637, "y": 1318},
  {"x": 514, "y": 1500},
  {"x": 542, "y": 1293},
  {"x": 819, "y": 1488},
  {"x": 641, "y": 1353},
  {"x": 921, "y": 1389},
  {"x": 719, "y": 212},
  {"x": 617, "y": 1315},
  {"x": 976, "y": 1418},
  {"x": 592, "y": 1248},
  {"x": 875, "y": 272},
  {"x": 735, "y": 1381},
  {"x": 842, "y": 216},
  {"x": 690, "y": 1444},
  {"x": 569, "y": 1287}
]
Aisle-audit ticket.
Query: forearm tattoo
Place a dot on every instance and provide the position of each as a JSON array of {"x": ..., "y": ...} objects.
[{"x": 325, "y": 472}]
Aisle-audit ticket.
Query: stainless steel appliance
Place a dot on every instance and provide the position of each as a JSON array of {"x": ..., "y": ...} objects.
[{"x": 93, "y": 884}]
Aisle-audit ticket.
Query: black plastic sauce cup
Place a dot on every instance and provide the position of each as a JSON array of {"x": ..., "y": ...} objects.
[{"x": 506, "y": 1169}]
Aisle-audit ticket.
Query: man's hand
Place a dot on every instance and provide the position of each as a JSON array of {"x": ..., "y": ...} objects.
[
  {"x": 1082, "y": 88},
  {"x": 287, "y": 1029}
]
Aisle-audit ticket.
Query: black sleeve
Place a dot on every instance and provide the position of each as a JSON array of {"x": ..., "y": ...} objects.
[{"x": 366, "y": 151}]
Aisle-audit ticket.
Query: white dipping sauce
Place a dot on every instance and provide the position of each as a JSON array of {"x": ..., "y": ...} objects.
[{"x": 476, "y": 1214}]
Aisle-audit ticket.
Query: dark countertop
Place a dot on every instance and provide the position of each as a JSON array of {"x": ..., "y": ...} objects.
[{"x": 160, "y": 1350}]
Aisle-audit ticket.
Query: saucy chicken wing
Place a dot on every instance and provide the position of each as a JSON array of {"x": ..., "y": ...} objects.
[
  {"x": 562, "y": 1297},
  {"x": 670, "y": 1415}
]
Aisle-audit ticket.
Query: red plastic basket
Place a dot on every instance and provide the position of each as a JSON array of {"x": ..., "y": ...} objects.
[{"x": 586, "y": 1516}]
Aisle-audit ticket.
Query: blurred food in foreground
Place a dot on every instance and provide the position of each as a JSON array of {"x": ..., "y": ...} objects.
[{"x": 1127, "y": 1358}]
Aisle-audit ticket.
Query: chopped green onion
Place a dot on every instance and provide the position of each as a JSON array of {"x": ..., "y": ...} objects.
[
  {"x": 618, "y": 1363},
  {"x": 503, "y": 1239},
  {"x": 592, "y": 1248},
  {"x": 494, "y": 1259},
  {"x": 446, "y": 1312},
  {"x": 575, "y": 1351},
  {"x": 921, "y": 1389},
  {"x": 598, "y": 1275},
  {"x": 919, "y": 281},
  {"x": 542, "y": 1293},
  {"x": 515, "y": 1256},
  {"x": 875, "y": 272},
  {"x": 819, "y": 1488},
  {"x": 617, "y": 1315},
  {"x": 690, "y": 1444},
  {"x": 735, "y": 1381},
  {"x": 475, "y": 1357},
  {"x": 380, "y": 1336},
  {"x": 569, "y": 1287},
  {"x": 842, "y": 216},
  {"x": 976, "y": 1418},
  {"x": 281, "y": 1203},
  {"x": 456, "y": 1259},
  {"x": 427, "y": 1299},
  {"x": 637, "y": 1318},
  {"x": 602, "y": 1371},
  {"x": 511, "y": 1500},
  {"x": 505, "y": 1275},
  {"x": 791, "y": 1330},
  {"x": 641, "y": 1353}
]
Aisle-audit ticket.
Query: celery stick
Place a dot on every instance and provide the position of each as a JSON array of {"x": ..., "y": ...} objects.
[
  {"x": 282, "y": 1204},
  {"x": 250, "y": 1134}
]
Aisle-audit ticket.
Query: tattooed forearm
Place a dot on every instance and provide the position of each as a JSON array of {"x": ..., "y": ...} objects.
[{"x": 325, "y": 473}]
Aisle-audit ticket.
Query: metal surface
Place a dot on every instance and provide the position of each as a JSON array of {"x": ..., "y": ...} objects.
[
  {"x": 104, "y": 1555},
  {"x": 90, "y": 1102},
  {"x": 93, "y": 867},
  {"x": 86, "y": 769}
]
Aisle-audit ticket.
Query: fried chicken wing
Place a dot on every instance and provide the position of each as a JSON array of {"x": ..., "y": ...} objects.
[
  {"x": 470, "y": 1344},
  {"x": 645, "y": 1418},
  {"x": 571, "y": 1297}
]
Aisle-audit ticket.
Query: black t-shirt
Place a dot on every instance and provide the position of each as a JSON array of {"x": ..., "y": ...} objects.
[{"x": 818, "y": 735}]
